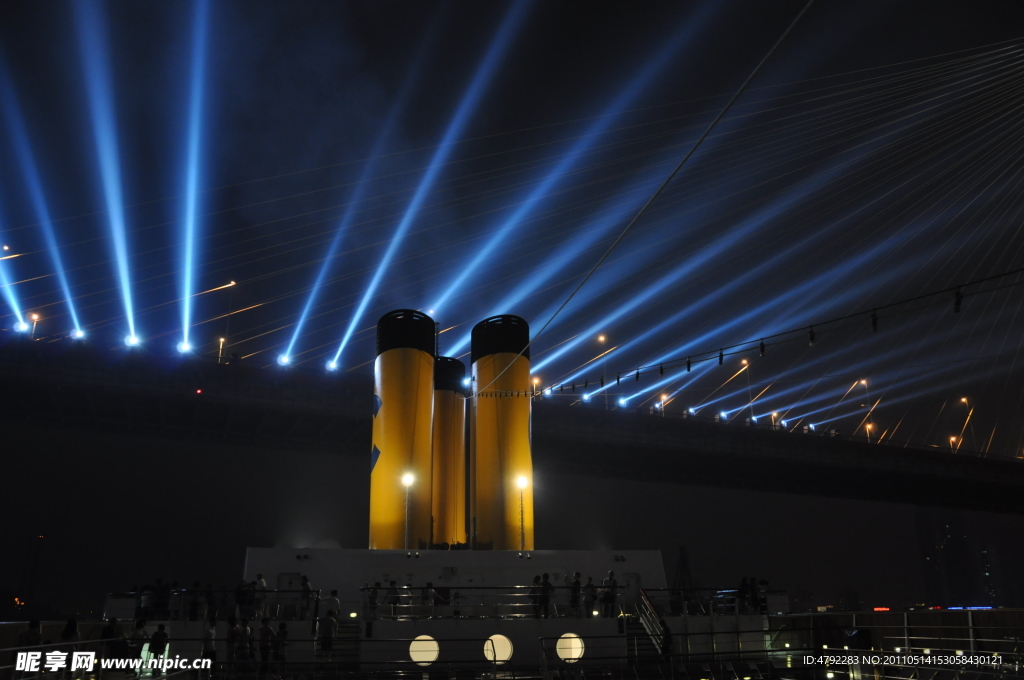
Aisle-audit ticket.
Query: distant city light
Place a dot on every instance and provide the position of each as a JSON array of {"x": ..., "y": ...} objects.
[
  {"x": 131, "y": 340},
  {"x": 199, "y": 391},
  {"x": 284, "y": 360}
]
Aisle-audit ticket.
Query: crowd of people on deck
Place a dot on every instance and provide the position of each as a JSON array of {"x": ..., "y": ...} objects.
[{"x": 585, "y": 599}]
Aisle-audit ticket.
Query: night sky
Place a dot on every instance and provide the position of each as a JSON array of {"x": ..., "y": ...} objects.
[
  {"x": 469, "y": 159},
  {"x": 474, "y": 159}
]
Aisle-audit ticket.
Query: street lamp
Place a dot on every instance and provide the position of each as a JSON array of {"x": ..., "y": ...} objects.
[
  {"x": 867, "y": 428},
  {"x": 952, "y": 441},
  {"x": 521, "y": 482},
  {"x": 407, "y": 480},
  {"x": 220, "y": 352},
  {"x": 604, "y": 367},
  {"x": 35, "y": 320},
  {"x": 750, "y": 398}
]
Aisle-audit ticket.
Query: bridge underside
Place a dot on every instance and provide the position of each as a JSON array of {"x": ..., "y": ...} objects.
[{"x": 245, "y": 406}]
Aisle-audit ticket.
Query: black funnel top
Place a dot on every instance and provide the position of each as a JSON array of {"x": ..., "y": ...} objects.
[
  {"x": 505, "y": 333},
  {"x": 405, "y": 328},
  {"x": 448, "y": 374}
]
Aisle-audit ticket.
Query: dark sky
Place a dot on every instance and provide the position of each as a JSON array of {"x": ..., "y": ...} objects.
[{"x": 874, "y": 159}]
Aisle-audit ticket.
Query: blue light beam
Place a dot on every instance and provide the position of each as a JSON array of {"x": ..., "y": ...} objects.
[
  {"x": 30, "y": 171},
  {"x": 12, "y": 299},
  {"x": 470, "y": 99},
  {"x": 195, "y": 132},
  {"x": 357, "y": 196},
  {"x": 94, "y": 46},
  {"x": 637, "y": 85}
]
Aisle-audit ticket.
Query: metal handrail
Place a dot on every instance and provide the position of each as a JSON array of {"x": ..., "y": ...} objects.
[{"x": 652, "y": 622}]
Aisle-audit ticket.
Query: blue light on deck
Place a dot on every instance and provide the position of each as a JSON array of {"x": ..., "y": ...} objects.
[
  {"x": 784, "y": 424},
  {"x": 693, "y": 412},
  {"x": 332, "y": 365},
  {"x": 95, "y": 60},
  {"x": 724, "y": 415},
  {"x": 454, "y": 130},
  {"x": 131, "y": 340},
  {"x": 622, "y": 402},
  {"x": 183, "y": 347},
  {"x": 191, "y": 207},
  {"x": 284, "y": 360},
  {"x": 78, "y": 334},
  {"x": 465, "y": 382},
  {"x": 21, "y": 327}
]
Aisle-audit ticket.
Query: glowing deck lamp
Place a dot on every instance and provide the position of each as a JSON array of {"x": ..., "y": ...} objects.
[
  {"x": 21, "y": 326},
  {"x": 521, "y": 482},
  {"x": 693, "y": 411},
  {"x": 466, "y": 381},
  {"x": 284, "y": 360},
  {"x": 332, "y": 365},
  {"x": 407, "y": 480},
  {"x": 131, "y": 340},
  {"x": 586, "y": 397},
  {"x": 78, "y": 334},
  {"x": 184, "y": 347},
  {"x": 622, "y": 402},
  {"x": 723, "y": 415}
]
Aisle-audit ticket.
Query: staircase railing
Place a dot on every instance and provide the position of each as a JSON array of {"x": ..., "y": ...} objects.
[{"x": 652, "y": 622}]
